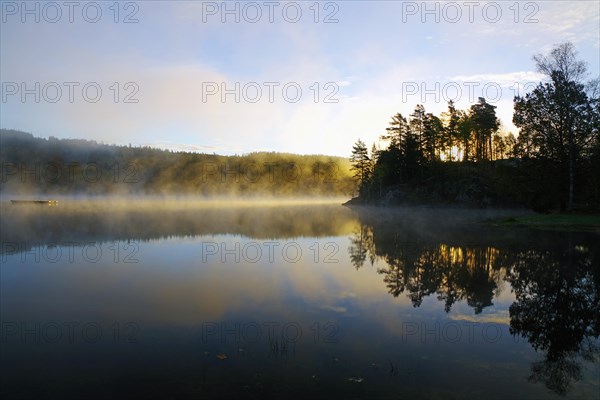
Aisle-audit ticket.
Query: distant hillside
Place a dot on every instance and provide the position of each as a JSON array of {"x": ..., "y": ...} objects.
[{"x": 36, "y": 166}]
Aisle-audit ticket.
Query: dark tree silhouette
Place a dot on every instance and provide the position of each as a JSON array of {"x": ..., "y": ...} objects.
[
  {"x": 361, "y": 164},
  {"x": 433, "y": 132},
  {"x": 451, "y": 131},
  {"x": 557, "y": 309},
  {"x": 484, "y": 124},
  {"x": 557, "y": 119}
]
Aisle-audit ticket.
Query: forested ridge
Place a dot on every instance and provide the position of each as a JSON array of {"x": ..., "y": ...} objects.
[
  {"x": 457, "y": 157},
  {"x": 36, "y": 166},
  {"x": 462, "y": 157}
]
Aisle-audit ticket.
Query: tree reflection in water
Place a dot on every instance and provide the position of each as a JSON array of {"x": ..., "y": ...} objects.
[
  {"x": 557, "y": 309},
  {"x": 555, "y": 277}
]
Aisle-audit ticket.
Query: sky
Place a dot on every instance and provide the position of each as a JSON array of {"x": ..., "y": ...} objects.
[{"x": 303, "y": 77}]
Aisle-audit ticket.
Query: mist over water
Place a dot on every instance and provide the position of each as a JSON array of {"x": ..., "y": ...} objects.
[
  {"x": 133, "y": 218},
  {"x": 295, "y": 299}
]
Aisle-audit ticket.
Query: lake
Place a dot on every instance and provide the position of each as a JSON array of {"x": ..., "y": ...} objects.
[{"x": 294, "y": 300}]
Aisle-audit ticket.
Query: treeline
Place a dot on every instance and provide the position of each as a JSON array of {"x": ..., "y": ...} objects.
[
  {"x": 460, "y": 156},
  {"x": 34, "y": 166}
]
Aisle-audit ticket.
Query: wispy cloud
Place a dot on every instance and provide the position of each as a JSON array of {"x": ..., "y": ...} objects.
[
  {"x": 171, "y": 52},
  {"x": 503, "y": 79}
]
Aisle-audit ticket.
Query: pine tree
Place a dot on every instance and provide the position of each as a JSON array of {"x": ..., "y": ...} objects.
[
  {"x": 485, "y": 124},
  {"x": 361, "y": 164},
  {"x": 451, "y": 136},
  {"x": 397, "y": 131}
]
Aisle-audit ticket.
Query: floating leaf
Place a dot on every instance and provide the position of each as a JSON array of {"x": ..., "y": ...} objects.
[{"x": 357, "y": 380}]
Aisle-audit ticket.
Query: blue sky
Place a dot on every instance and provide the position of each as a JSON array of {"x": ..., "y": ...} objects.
[{"x": 379, "y": 58}]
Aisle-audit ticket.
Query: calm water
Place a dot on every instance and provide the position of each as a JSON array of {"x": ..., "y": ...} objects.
[{"x": 306, "y": 301}]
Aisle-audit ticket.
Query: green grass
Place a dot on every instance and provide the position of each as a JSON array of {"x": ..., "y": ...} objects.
[{"x": 568, "y": 222}]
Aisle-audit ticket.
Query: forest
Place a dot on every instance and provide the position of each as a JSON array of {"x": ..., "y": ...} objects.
[
  {"x": 461, "y": 157},
  {"x": 458, "y": 157},
  {"x": 37, "y": 166}
]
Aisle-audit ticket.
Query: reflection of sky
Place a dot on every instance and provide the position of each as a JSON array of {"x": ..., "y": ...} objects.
[
  {"x": 177, "y": 288},
  {"x": 172, "y": 284}
]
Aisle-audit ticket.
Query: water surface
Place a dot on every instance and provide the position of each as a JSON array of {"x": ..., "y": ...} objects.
[{"x": 173, "y": 300}]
